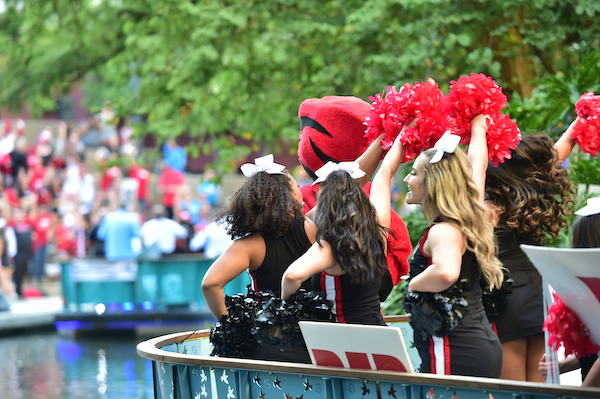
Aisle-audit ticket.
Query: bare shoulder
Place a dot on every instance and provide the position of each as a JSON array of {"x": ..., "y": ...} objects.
[
  {"x": 444, "y": 236},
  {"x": 311, "y": 229},
  {"x": 444, "y": 231},
  {"x": 251, "y": 247}
]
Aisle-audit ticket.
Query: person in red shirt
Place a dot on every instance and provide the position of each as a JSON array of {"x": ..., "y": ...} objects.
[
  {"x": 109, "y": 177},
  {"x": 63, "y": 235},
  {"x": 168, "y": 184},
  {"x": 143, "y": 177},
  {"x": 37, "y": 174},
  {"x": 42, "y": 233}
]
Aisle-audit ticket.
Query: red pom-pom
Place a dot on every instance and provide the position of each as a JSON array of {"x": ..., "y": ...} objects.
[
  {"x": 503, "y": 135},
  {"x": 565, "y": 327},
  {"x": 421, "y": 103},
  {"x": 586, "y": 131},
  {"x": 479, "y": 94},
  {"x": 470, "y": 96}
]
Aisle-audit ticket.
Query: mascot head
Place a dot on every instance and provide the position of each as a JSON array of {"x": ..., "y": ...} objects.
[{"x": 332, "y": 129}]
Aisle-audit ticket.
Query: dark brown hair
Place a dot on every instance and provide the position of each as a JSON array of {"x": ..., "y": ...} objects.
[
  {"x": 532, "y": 192},
  {"x": 347, "y": 220}
]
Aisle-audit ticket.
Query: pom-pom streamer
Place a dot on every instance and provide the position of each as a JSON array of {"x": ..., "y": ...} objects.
[
  {"x": 477, "y": 94},
  {"x": 566, "y": 328},
  {"x": 586, "y": 131},
  {"x": 417, "y": 107},
  {"x": 436, "y": 313},
  {"x": 264, "y": 319}
]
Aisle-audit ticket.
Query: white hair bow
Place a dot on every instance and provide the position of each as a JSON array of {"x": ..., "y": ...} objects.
[
  {"x": 592, "y": 207},
  {"x": 352, "y": 168},
  {"x": 262, "y": 164},
  {"x": 446, "y": 143}
]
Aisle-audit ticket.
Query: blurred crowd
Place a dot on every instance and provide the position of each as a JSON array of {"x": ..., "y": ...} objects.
[{"x": 66, "y": 193}]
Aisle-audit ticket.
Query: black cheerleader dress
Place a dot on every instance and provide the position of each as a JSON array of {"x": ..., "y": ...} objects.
[
  {"x": 471, "y": 350},
  {"x": 352, "y": 303},
  {"x": 280, "y": 253},
  {"x": 524, "y": 313}
]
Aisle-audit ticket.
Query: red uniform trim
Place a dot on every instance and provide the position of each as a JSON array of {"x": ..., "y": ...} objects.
[
  {"x": 447, "y": 355},
  {"x": 338, "y": 299},
  {"x": 432, "y": 355}
]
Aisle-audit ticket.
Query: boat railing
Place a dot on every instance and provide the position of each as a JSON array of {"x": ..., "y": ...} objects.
[{"x": 183, "y": 369}]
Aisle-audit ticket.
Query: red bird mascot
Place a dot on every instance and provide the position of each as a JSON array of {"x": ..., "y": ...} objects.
[{"x": 333, "y": 129}]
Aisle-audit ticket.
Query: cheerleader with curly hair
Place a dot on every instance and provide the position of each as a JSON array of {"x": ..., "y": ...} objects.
[
  {"x": 531, "y": 195},
  {"x": 266, "y": 220},
  {"x": 451, "y": 258}
]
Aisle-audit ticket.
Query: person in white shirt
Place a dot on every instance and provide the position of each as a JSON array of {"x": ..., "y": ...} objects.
[{"x": 161, "y": 233}]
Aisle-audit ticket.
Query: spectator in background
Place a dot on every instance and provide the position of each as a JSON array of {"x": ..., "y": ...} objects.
[
  {"x": 19, "y": 158},
  {"x": 161, "y": 233},
  {"x": 190, "y": 202},
  {"x": 6, "y": 284},
  {"x": 44, "y": 149},
  {"x": 213, "y": 240},
  {"x": 120, "y": 231},
  {"x": 42, "y": 222},
  {"x": 87, "y": 194},
  {"x": 63, "y": 236},
  {"x": 209, "y": 191},
  {"x": 24, "y": 236},
  {"x": 169, "y": 183},
  {"x": 142, "y": 176},
  {"x": 175, "y": 156},
  {"x": 36, "y": 174},
  {"x": 95, "y": 242}
]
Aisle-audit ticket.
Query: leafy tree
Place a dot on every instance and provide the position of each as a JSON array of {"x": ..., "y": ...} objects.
[{"x": 209, "y": 66}]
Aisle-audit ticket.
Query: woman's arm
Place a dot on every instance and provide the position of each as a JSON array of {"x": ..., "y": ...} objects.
[
  {"x": 317, "y": 259},
  {"x": 369, "y": 160},
  {"x": 232, "y": 263},
  {"x": 381, "y": 190},
  {"x": 565, "y": 144},
  {"x": 478, "y": 152},
  {"x": 446, "y": 246}
]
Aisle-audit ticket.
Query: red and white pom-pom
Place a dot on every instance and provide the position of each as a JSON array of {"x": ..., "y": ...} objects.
[
  {"x": 566, "y": 328},
  {"x": 470, "y": 96},
  {"x": 422, "y": 104},
  {"x": 586, "y": 131},
  {"x": 503, "y": 135}
]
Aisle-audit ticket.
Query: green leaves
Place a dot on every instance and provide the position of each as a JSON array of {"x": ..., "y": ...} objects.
[{"x": 245, "y": 66}]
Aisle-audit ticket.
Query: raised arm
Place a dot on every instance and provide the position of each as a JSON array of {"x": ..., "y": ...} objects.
[
  {"x": 381, "y": 190},
  {"x": 478, "y": 152},
  {"x": 315, "y": 260},
  {"x": 232, "y": 263},
  {"x": 446, "y": 247},
  {"x": 565, "y": 144},
  {"x": 369, "y": 160}
]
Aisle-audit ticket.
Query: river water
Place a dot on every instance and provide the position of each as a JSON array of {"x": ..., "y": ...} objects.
[{"x": 47, "y": 365}]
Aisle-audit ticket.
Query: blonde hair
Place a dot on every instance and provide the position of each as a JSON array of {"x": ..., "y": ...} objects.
[{"x": 453, "y": 195}]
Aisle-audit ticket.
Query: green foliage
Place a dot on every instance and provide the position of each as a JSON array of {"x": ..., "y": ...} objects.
[
  {"x": 416, "y": 225},
  {"x": 552, "y": 105},
  {"x": 244, "y": 67},
  {"x": 585, "y": 170}
]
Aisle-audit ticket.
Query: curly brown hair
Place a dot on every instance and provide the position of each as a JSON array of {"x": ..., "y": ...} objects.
[
  {"x": 347, "y": 220},
  {"x": 264, "y": 204},
  {"x": 531, "y": 191}
]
